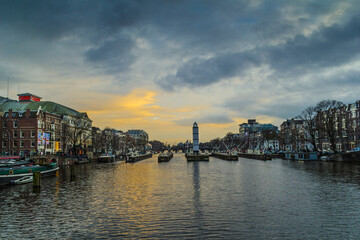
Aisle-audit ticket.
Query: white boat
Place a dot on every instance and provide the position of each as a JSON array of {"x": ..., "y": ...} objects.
[
  {"x": 324, "y": 158},
  {"x": 23, "y": 180}
]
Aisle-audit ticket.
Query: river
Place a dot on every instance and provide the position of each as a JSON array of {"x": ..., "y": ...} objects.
[{"x": 246, "y": 199}]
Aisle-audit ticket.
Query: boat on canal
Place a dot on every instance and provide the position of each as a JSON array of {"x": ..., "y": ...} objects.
[
  {"x": 106, "y": 158},
  {"x": 46, "y": 166},
  {"x": 165, "y": 157},
  {"x": 226, "y": 156},
  {"x": 301, "y": 156},
  {"x": 23, "y": 180},
  {"x": 136, "y": 156}
]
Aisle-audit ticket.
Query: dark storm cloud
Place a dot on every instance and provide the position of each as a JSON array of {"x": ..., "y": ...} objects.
[
  {"x": 213, "y": 40},
  {"x": 330, "y": 46},
  {"x": 327, "y": 47},
  {"x": 114, "y": 55},
  {"x": 199, "y": 72},
  {"x": 94, "y": 25}
]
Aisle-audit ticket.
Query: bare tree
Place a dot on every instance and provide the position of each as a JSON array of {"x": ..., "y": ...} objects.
[
  {"x": 309, "y": 123},
  {"x": 326, "y": 114},
  {"x": 75, "y": 133}
]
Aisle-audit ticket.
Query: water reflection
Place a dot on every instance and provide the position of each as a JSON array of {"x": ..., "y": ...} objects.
[
  {"x": 196, "y": 198},
  {"x": 346, "y": 172},
  {"x": 248, "y": 199}
]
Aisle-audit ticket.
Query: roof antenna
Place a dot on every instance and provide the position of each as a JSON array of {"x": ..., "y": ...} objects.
[{"x": 8, "y": 88}]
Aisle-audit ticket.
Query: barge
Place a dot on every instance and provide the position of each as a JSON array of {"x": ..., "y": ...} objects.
[
  {"x": 191, "y": 157},
  {"x": 225, "y": 156},
  {"x": 137, "y": 157},
  {"x": 165, "y": 157},
  {"x": 264, "y": 157}
]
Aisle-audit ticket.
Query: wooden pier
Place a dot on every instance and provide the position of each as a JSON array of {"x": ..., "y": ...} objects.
[
  {"x": 191, "y": 157},
  {"x": 263, "y": 157},
  {"x": 165, "y": 157},
  {"x": 136, "y": 158},
  {"x": 225, "y": 156}
]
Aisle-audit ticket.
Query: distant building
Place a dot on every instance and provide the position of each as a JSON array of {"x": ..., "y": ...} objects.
[
  {"x": 139, "y": 135},
  {"x": 253, "y": 127},
  {"x": 294, "y": 136},
  {"x": 259, "y": 136}
]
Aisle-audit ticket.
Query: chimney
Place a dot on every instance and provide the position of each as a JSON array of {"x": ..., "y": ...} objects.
[
  {"x": 27, "y": 114},
  {"x": 10, "y": 113}
]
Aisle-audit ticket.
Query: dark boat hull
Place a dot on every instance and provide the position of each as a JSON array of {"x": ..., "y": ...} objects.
[{"x": 8, "y": 179}]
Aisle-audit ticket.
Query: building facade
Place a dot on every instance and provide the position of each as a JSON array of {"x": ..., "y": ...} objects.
[
  {"x": 259, "y": 136},
  {"x": 31, "y": 126},
  {"x": 30, "y": 132}
]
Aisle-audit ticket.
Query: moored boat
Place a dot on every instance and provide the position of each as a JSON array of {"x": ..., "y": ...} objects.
[
  {"x": 165, "y": 157},
  {"x": 23, "y": 180},
  {"x": 11, "y": 174},
  {"x": 301, "y": 156},
  {"x": 106, "y": 158},
  {"x": 134, "y": 157}
]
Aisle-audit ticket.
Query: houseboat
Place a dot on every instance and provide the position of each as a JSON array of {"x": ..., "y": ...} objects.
[
  {"x": 165, "y": 157},
  {"x": 301, "y": 156}
]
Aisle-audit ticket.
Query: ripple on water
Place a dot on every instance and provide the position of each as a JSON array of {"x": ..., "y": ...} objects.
[{"x": 217, "y": 199}]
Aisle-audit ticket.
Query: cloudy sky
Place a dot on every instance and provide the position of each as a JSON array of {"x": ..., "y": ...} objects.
[{"x": 160, "y": 65}]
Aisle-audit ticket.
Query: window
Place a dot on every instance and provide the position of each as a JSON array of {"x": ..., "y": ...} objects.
[
  {"x": 39, "y": 124},
  {"x": 15, "y": 134},
  {"x": 32, "y": 133},
  {"x": 32, "y": 143},
  {"x": 15, "y": 143},
  {"x": 4, "y": 134},
  {"x": 15, "y": 124},
  {"x": 22, "y": 134},
  {"x": 4, "y": 124},
  {"x": 22, "y": 143},
  {"x": 3, "y": 144}
]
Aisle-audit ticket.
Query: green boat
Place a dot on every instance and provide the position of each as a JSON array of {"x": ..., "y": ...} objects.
[{"x": 9, "y": 174}]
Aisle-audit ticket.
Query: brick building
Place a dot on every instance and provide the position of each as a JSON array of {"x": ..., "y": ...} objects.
[
  {"x": 30, "y": 125},
  {"x": 28, "y": 132}
]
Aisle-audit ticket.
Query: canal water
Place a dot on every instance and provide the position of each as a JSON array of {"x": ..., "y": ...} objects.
[{"x": 247, "y": 199}]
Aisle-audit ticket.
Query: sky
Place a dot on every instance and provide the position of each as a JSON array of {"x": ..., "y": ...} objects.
[{"x": 161, "y": 65}]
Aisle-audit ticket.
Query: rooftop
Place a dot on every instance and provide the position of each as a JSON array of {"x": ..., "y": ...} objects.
[{"x": 46, "y": 106}]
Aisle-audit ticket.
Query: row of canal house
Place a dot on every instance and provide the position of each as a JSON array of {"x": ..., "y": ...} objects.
[
  {"x": 345, "y": 128},
  {"x": 31, "y": 126},
  {"x": 346, "y": 120}
]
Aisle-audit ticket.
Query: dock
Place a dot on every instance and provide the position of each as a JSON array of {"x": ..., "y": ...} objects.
[
  {"x": 225, "y": 156},
  {"x": 263, "y": 157},
  {"x": 139, "y": 157},
  {"x": 190, "y": 157},
  {"x": 165, "y": 157}
]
